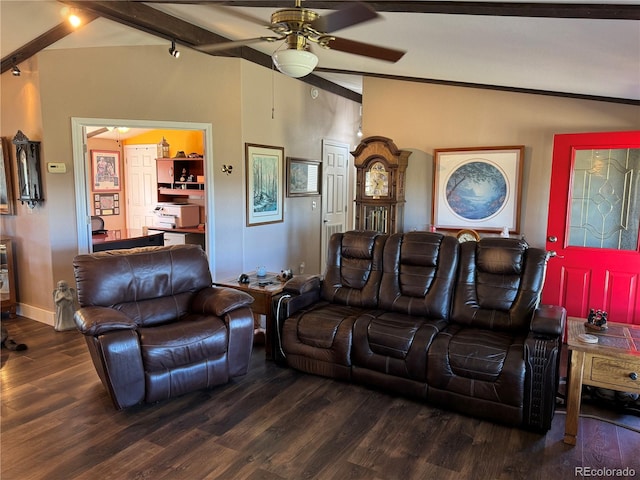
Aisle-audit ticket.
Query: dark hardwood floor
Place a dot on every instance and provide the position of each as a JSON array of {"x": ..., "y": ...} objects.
[{"x": 275, "y": 423}]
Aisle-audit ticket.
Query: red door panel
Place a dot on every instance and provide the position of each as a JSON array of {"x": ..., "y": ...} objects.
[
  {"x": 593, "y": 225},
  {"x": 622, "y": 295},
  {"x": 574, "y": 289}
]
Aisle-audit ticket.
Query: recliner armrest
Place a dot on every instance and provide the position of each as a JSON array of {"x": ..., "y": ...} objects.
[
  {"x": 98, "y": 320},
  {"x": 220, "y": 300},
  {"x": 302, "y": 284},
  {"x": 549, "y": 320}
]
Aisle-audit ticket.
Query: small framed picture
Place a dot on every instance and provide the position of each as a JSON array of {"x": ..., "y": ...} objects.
[
  {"x": 303, "y": 177},
  {"x": 105, "y": 167},
  {"x": 106, "y": 204}
]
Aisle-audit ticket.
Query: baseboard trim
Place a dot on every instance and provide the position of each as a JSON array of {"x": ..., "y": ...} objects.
[{"x": 37, "y": 314}]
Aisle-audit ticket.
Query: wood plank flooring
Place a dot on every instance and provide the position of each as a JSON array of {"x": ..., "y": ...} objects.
[{"x": 275, "y": 423}]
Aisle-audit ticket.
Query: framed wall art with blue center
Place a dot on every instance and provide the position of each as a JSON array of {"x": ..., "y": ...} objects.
[{"x": 478, "y": 188}]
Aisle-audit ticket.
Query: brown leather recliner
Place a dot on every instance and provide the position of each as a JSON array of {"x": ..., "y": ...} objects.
[
  {"x": 390, "y": 344},
  {"x": 318, "y": 339},
  {"x": 498, "y": 357},
  {"x": 154, "y": 325}
]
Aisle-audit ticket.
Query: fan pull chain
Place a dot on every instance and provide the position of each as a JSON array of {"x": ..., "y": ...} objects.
[{"x": 273, "y": 91}]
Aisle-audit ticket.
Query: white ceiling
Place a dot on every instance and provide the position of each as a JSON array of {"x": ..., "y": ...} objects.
[{"x": 589, "y": 57}]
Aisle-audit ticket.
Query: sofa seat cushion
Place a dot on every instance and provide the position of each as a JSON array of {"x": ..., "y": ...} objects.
[
  {"x": 394, "y": 343},
  {"x": 316, "y": 337},
  {"x": 478, "y": 363},
  {"x": 184, "y": 356},
  {"x": 319, "y": 328},
  {"x": 182, "y": 343}
]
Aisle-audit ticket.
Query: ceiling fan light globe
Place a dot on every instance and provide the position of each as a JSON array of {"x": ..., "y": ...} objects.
[{"x": 295, "y": 63}]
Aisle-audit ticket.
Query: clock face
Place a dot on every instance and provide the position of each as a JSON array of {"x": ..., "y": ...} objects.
[
  {"x": 467, "y": 235},
  {"x": 377, "y": 181}
]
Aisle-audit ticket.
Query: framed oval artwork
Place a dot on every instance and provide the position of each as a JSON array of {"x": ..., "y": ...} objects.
[{"x": 478, "y": 188}]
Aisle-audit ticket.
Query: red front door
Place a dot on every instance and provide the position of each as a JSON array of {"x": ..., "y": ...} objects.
[{"x": 593, "y": 226}]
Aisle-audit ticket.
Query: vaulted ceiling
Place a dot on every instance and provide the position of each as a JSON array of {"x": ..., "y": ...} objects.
[{"x": 584, "y": 50}]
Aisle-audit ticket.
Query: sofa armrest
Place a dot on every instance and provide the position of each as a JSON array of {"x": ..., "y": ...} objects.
[
  {"x": 220, "y": 300},
  {"x": 95, "y": 320},
  {"x": 549, "y": 320},
  {"x": 303, "y": 284},
  {"x": 297, "y": 293}
]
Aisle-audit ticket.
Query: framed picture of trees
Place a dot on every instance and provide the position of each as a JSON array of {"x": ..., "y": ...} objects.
[
  {"x": 477, "y": 188},
  {"x": 265, "y": 184}
]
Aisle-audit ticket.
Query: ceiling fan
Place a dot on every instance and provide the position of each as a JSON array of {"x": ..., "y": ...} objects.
[{"x": 300, "y": 27}]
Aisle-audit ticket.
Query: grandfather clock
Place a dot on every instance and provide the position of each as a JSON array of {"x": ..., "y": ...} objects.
[{"x": 380, "y": 181}]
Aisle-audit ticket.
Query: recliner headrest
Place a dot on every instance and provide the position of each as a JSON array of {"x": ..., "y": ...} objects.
[{"x": 503, "y": 256}]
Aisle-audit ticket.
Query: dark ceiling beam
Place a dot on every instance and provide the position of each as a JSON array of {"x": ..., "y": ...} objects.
[
  {"x": 500, "y": 9},
  {"x": 626, "y": 101},
  {"x": 43, "y": 41},
  {"x": 150, "y": 20}
]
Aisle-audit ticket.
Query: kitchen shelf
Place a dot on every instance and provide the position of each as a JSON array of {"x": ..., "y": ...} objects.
[{"x": 181, "y": 192}]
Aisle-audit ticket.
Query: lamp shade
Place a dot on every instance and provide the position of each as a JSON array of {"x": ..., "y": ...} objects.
[{"x": 295, "y": 63}]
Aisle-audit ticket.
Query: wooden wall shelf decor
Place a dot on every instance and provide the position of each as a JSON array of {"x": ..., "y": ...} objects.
[{"x": 29, "y": 178}]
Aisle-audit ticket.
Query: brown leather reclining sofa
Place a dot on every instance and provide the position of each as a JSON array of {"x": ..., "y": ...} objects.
[{"x": 419, "y": 314}]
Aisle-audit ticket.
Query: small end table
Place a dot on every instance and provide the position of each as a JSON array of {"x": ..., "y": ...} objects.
[
  {"x": 613, "y": 362},
  {"x": 262, "y": 289}
]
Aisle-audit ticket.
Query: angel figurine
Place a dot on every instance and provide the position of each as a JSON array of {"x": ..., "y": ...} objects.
[{"x": 64, "y": 298}]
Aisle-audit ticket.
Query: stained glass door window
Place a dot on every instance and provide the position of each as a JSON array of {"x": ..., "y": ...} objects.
[{"x": 605, "y": 201}]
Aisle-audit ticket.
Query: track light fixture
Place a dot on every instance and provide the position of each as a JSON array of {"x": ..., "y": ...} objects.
[
  {"x": 173, "y": 51},
  {"x": 15, "y": 71},
  {"x": 74, "y": 19},
  {"x": 227, "y": 169}
]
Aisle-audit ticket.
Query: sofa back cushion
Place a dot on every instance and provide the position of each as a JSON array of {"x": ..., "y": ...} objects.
[
  {"x": 354, "y": 268},
  {"x": 419, "y": 271},
  {"x": 499, "y": 284},
  {"x": 151, "y": 285}
]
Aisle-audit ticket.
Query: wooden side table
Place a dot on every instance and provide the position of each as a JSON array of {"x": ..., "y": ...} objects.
[
  {"x": 262, "y": 289},
  {"x": 613, "y": 363}
]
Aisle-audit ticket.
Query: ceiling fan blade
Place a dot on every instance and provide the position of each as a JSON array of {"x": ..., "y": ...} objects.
[
  {"x": 366, "y": 50},
  {"x": 96, "y": 132},
  {"x": 346, "y": 15},
  {"x": 218, "y": 47}
]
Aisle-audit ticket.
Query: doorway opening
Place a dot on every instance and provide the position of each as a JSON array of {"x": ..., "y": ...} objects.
[{"x": 83, "y": 174}]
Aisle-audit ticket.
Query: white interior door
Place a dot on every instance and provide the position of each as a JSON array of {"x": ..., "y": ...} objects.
[
  {"x": 142, "y": 192},
  {"x": 335, "y": 174}
]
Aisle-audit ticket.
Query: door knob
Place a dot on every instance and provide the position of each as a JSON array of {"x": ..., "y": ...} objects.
[{"x": 552, "y": 238}]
